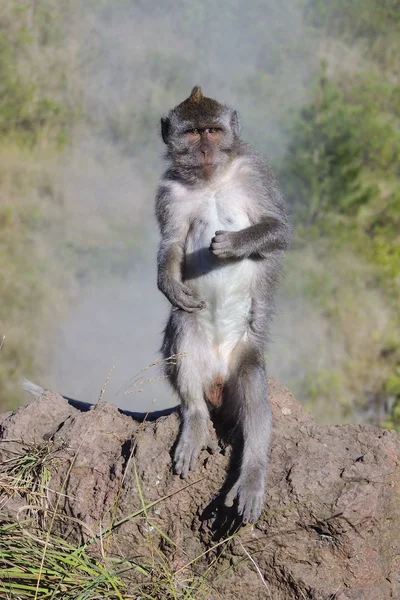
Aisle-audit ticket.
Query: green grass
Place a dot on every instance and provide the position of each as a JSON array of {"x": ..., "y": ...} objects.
[
  {"x": 62, "y": 572},
  {"x": 67, "y": 571}
]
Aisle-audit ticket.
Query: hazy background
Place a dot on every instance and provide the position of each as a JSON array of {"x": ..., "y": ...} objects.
[
  {"x": 83, "y": 86},
  {"x": 137, "y": 63}
]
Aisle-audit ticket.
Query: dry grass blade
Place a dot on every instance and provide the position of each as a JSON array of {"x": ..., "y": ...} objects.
[
  {"x": 27, "y": 473},
  {"x": 105, "y": 384},
  {"x": 251, "y": 559},
  {"x": 139, "y": 379}
]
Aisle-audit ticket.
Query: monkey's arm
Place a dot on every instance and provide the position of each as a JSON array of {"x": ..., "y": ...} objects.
[
  {"x": 171, "y": 254},
  {"x": 271, "y": 229},
  {"x": 271, "y": 234}
]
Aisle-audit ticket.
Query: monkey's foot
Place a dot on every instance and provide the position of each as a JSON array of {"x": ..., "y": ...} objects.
[
  {"x": 248, "y": 492},
  {"x": 193, "y": 439}
]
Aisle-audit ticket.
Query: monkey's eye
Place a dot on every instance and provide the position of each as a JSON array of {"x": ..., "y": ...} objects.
[
  {"x": 214, "y": 130},
  {"x": 192, "y": 132}
]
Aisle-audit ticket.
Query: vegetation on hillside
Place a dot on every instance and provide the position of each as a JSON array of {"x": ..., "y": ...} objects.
[
  {"x": 336, "y": 154},
  {"x": 340, "y": 174},
  {"x": 36, "y": 114}
]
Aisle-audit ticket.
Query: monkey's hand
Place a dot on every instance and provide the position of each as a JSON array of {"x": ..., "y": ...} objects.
[
  {"x": 181, "y": 296},
  {"x": 226, "y": 244}
]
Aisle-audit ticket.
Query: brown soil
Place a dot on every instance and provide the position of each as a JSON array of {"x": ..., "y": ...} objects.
[{"x": 330, "y": 528}]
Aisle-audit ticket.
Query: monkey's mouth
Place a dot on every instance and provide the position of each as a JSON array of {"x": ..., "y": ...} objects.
[{"x": 206, "y": 167}]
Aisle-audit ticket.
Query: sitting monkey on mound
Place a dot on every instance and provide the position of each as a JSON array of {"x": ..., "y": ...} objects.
[{"x": 223, "y": 227}]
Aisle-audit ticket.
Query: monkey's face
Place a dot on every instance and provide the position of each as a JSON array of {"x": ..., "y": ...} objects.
[
  {"x": 200, "y": 134},
  {"x": 202, "y": 146}
]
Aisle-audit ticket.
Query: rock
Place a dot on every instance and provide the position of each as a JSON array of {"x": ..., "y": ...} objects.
[{"x": 330, "y": 528}]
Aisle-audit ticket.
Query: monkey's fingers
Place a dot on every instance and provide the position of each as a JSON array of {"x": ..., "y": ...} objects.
[
  {"x": 221, "y": 251},
  {"x": 187, "y": 290},
  {"x": 218, "y": 244},
  {"x": 188, "y": 301},
  {"x": 199, "y": 304},
  {"x": 181, "y": 306},
  {"x": 222, "y": 244},
  {"x": 181, "y": 297},
  {"x": 189, "y": 304},
  {"x": 220, "y": 237}
]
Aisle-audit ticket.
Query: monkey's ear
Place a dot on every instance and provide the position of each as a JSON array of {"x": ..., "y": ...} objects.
[
  {"x": 235, "y": 123},
  {"x": 165, "y": 123}
]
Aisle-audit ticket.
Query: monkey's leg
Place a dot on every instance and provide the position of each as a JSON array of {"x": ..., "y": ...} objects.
[
  {"x": 191, "y": 376},
  {"x": 247, "y": 389},
  {"x": 195, "y": 434}
]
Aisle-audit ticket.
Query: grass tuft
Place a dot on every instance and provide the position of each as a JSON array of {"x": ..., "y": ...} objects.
[
  {"x": 64, "y": 574},
  {"x": 26, "y": 473}
]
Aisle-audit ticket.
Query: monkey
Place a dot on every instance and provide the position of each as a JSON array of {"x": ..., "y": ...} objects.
[{"x": 223, "y": 230}]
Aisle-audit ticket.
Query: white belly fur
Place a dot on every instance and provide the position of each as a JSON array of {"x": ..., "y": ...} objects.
[{"x": 225, "y": 287}]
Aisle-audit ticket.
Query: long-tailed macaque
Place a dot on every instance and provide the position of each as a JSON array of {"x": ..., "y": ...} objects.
[{"x": 223, "y": 229}]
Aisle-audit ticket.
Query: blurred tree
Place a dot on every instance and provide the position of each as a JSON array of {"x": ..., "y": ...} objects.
[{"x": 321, "y": 170}]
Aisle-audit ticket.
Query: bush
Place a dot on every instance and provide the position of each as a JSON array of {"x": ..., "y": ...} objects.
[{"x": 321, "y": 171}]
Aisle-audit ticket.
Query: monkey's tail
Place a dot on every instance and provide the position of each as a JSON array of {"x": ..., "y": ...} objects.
[
  {"x": 32, "y": 388},
  {"x": 37, "y": 390}
]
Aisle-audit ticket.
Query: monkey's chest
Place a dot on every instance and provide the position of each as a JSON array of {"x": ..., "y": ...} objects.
[{"x": 224, "y": 284}]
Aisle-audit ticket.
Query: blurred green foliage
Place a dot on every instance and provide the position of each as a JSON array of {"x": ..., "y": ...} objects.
[
  {"x": 29, "y": 108},
  {"x": 341, "y": 177},
  {"x": 366, "y": 20},
  {"x": 322, "y": 169},
  {"x": 35, "y": 115},
  {"x": 339, "y": 170}
]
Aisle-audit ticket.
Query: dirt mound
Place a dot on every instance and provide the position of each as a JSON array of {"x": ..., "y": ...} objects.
[{"x": 330, "y": 527}]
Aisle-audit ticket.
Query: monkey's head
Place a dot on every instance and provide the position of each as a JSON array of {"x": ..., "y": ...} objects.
[{"x": 201, "y": 134}]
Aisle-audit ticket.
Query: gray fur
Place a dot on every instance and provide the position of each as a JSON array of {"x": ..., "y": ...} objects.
[{"x": 221, "y": 283}]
